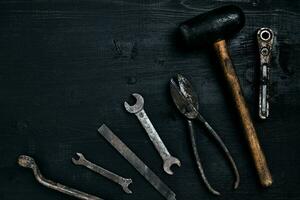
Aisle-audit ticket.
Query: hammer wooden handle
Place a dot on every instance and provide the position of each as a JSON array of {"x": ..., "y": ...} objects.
[{"x": 235, "y": 88}]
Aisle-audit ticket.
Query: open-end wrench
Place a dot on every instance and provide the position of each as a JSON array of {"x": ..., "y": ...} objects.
[
  {"x": 123, "y": 182},
  {"x": 137, "y": 163},
  {"x": 138, "y": 110},
  {"x": 28, "y": 162}
]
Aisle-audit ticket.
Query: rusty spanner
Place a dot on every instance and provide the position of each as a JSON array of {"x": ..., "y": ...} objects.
[
  {"x": 123, "y": 182},
  {"x": 28, "y": 162},
  {"x": 138, "y": 110}
]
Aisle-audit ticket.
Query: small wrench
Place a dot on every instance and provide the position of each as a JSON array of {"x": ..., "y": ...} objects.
[
  {"x": 138, "y": 110},
  {"x": 137, "y": 163},
  {"x": 28, "y": 162},
  {"x": 123, "y": 182}
]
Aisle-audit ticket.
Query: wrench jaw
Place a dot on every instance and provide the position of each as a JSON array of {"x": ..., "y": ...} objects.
[
  {"x": 168, "y": 162},
  {"x": 138, "y": 106},
  {"x": 125, "y": 185},
  {"x": 80, "y": 159},
  {"x": 123, "y": 182}
]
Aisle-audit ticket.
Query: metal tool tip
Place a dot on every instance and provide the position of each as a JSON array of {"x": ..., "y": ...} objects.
[
  {"x": 26, "y": 161},
  {"x": 172, "y": 81},
  {"x": 79, "y": 154},
  {"x": 237, "y": 181},
  {"x": 217, "y": 194},
  {"x": 126, "y": 105},
  {"x": 179, "y": 76},
  {"x": 172, "y": 197},
  {"x": 138, "y": 106},
  {"x": 137, "y": 95},
  {"x": 102, "y": 127},
  {"x": 125, "y": 186},
  {"x": 168, "y": 163},
  {"x": 77, "y": 161},
  {"x": 128, "y": 191},
  {"x": 236, "y": 185}
]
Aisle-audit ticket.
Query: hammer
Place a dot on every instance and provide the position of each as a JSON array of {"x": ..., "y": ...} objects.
[{"x": 214, "y": 27}]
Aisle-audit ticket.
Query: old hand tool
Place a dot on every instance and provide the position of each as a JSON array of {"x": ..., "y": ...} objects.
[
  {"x": 186, "y": 101},
  {"x": 265, "y": 37},
  {"x": 138, "y": 110},
  {"x": 137, "y": 163},
  {"x": 214, "y": 27},
  {"x": 28, "y": 162},
  {"x": 123, "y": 182}
]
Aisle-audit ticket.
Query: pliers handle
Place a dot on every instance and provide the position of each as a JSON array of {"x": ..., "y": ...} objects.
[{"x": 220, "y": 142}]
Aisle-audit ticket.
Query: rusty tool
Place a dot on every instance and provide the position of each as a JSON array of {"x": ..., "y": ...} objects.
[
  {"x": 123, "y": 182},
  {"x": 137, "y": 163},
  {"x": 265, "y": 37},
  {"x": 138, "y": 110},
  {"x": 186, "y": 100},
  {"x": 214, "y": 27},
  {"x": 28, "y": 162}
]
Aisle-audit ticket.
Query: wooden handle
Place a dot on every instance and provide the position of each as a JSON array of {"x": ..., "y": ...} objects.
[{"x": 235, "y": 88}]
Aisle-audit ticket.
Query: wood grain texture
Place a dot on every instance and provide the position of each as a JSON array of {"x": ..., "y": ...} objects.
[
  {"x": 68, "y": 66},
  {"x": 235, "y": 89}
]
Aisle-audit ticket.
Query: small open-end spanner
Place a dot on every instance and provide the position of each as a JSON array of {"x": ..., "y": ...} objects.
[
  {"x": 123, "y": 182},
  {"x": 137, "y": 163},
  {"x": 28, "y": 162},
  {"x": 138, "y": 110}
]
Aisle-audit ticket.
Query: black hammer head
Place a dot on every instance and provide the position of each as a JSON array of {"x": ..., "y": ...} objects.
[{"x": 213, "y": 26}]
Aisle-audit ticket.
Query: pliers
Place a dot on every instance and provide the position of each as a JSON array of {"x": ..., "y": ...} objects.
[{"x": 186, "y": 100}]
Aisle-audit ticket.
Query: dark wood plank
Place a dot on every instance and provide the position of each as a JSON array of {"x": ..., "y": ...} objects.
[{"x": 68, "y": 66}]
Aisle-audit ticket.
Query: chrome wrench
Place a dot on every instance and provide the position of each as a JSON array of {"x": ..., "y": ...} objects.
[
  {"x": 123, "y": 182},
  {"x": 28, "y": 162},
  {"x": 138, "y": 110},
  {"x": 137, "y": 163}
]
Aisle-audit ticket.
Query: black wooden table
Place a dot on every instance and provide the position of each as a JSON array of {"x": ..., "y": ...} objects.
[{"x": 68, "y": 66}]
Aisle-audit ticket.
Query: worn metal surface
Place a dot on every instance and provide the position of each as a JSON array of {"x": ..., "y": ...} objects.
[
  {"x": 67, "y": 65},
  {"x": 265, "y": 38},
  {"x": 137, "y": 163},
  {"x": 138, "y": 110},
  {"x": 123, "y": 182},
  {"x": 186, "y": 100},
  {"x": 28, "y": 162}
]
